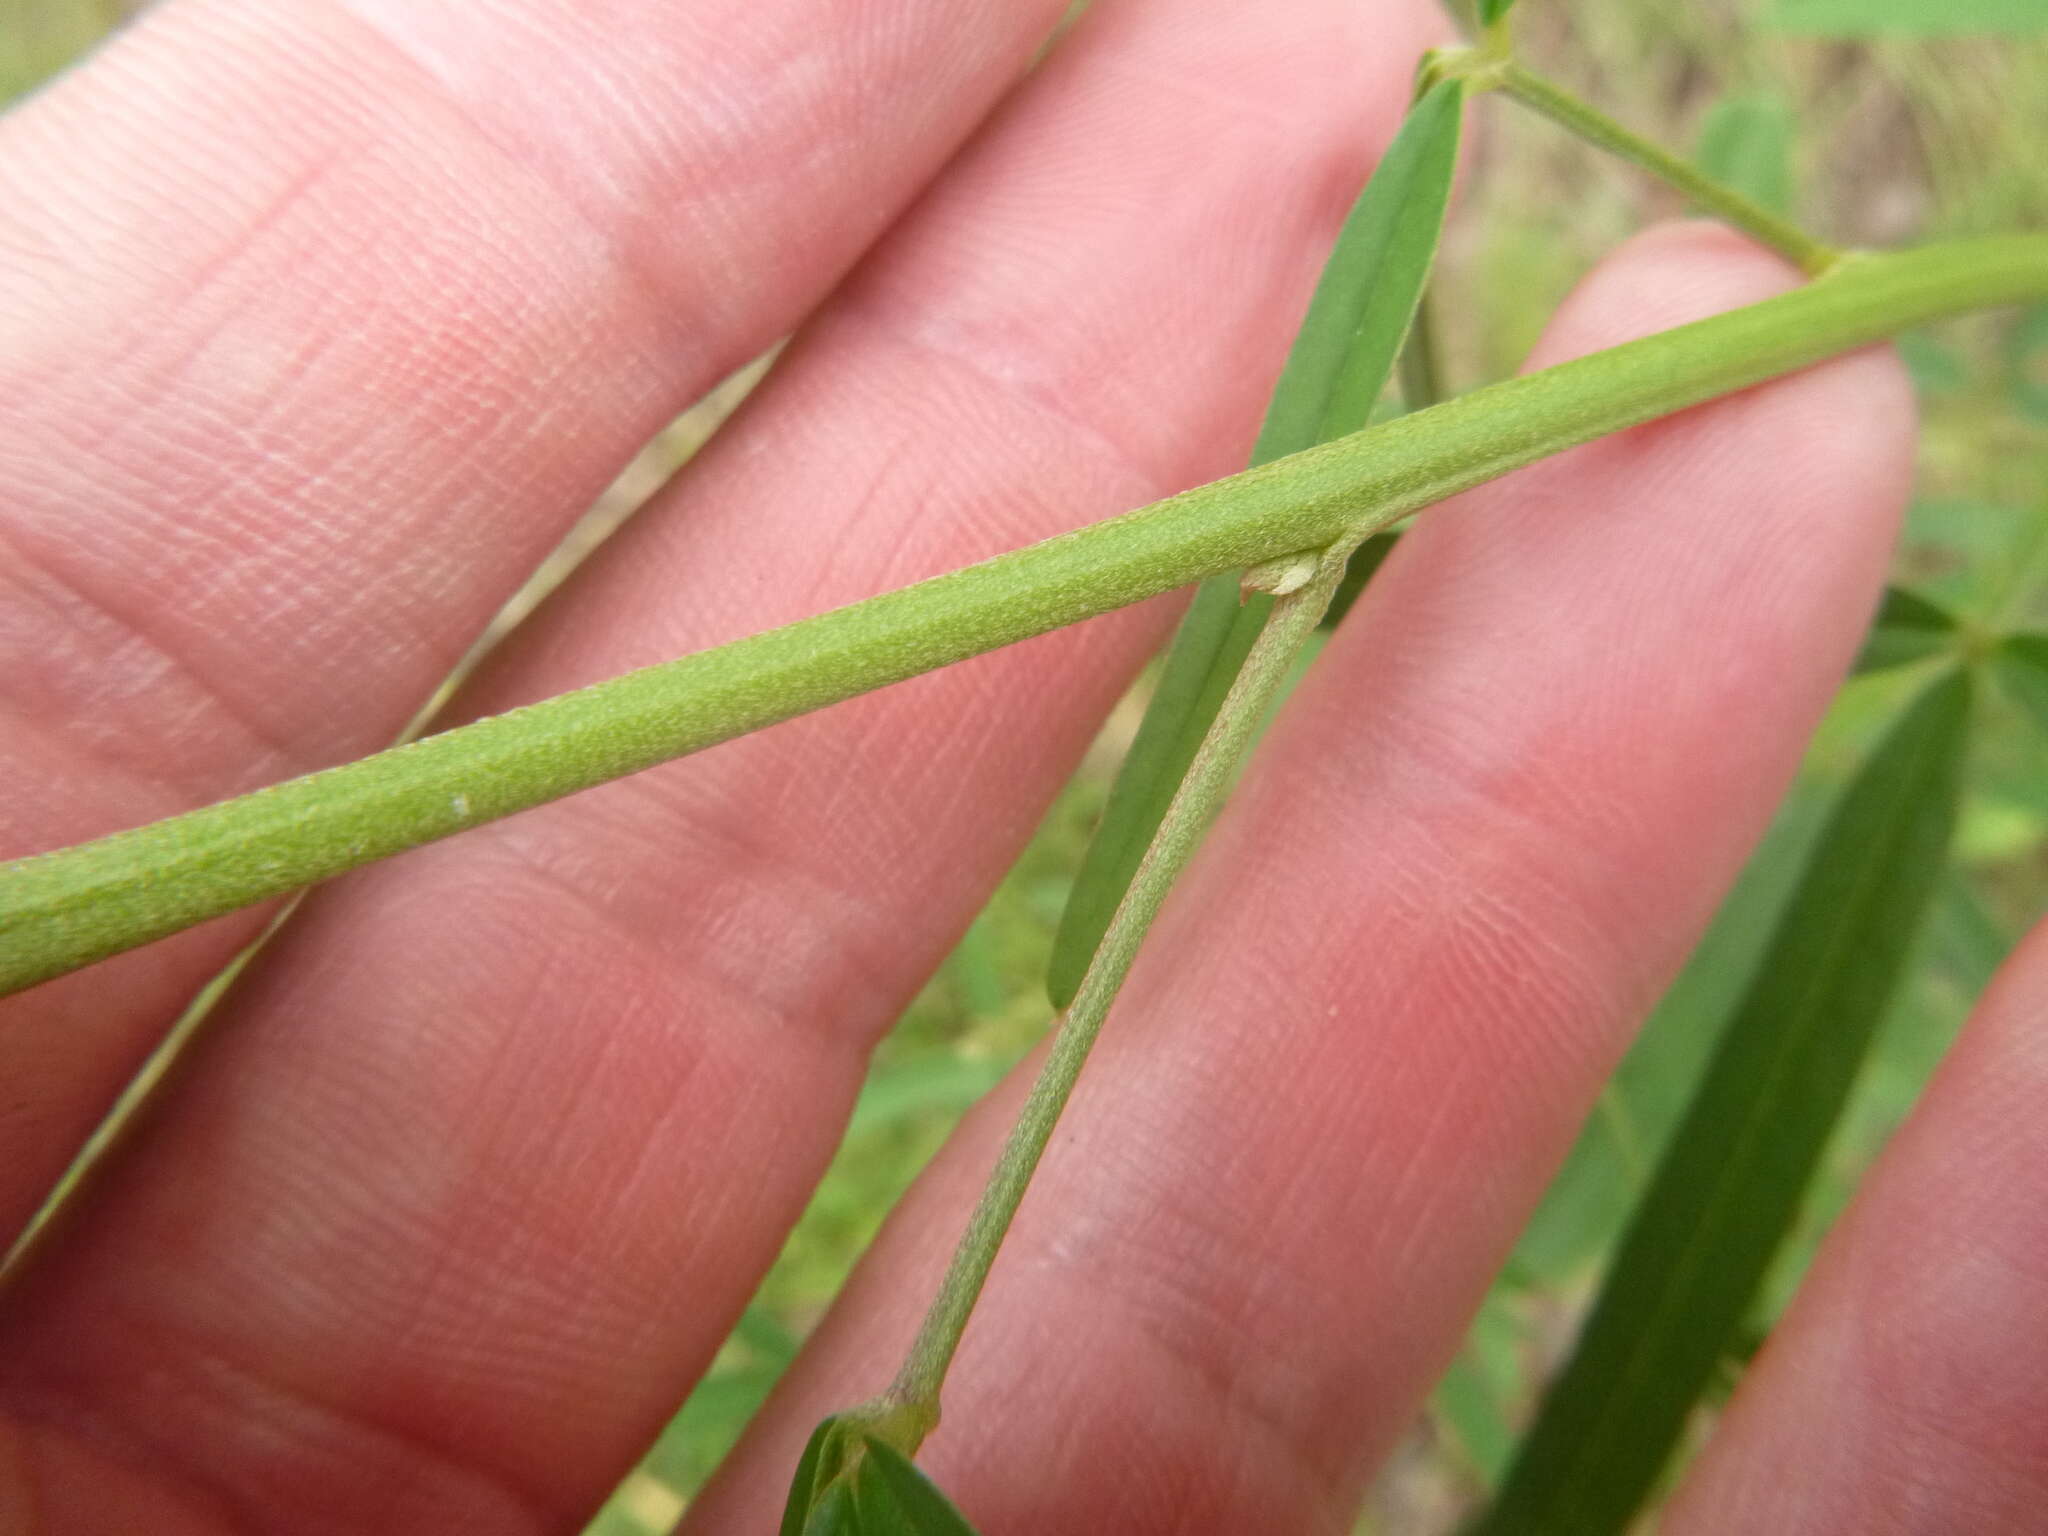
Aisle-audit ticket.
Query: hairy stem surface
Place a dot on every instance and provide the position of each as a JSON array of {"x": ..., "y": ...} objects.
[{"x": 62, "y": 910}]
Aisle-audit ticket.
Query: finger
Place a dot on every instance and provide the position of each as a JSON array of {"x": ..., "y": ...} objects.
[
  {"x": 470, "y": 1182},
  {"x": 322, "y": 322},
  {"x": 1482, "y": 836},
  {"x": 1903, "y": 1390}
]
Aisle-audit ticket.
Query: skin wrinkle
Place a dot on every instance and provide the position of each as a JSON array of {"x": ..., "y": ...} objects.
[
  {"x": 273, "y": 755},
  {"x": 674, "y": 309},
  {"x": 382, "y": 1469},
  {"x": 39, "y": 1451},
  {"x": 209, "y": 685},
  {"x": 918, "y": 337},
  {"x": 1190, "y": 1402},
  {"x": 465, "y": 1307},
  {"x": 1456, "y": 923},
  {"x": 450, "y": 1310},
  {"x": 703, "y": 161},
  {"x": 1138, "y": 1273},
  {"x": 86, "y": 255},
  {"x": 823, "y": 923},
  {"x": 1164, "y": 1281},
  {"x": 266, "y": 753}
]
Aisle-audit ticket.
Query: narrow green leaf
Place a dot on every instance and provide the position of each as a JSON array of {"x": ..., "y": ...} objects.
[
  {"x": 836, "y": 1512},
  {"x": 814, "y": 1470},
  {"x": 1208, "y": 648},
  {"x": 1922, "y": 18},
  {"x": 2022, "y": 669},
  {"x": 1746, "y": 143},
  {"x": 1730, "y": 1185},
  {"x": 1338, "y": 367},
  {"x": 1366, "y": 297},
  {"x": 850, "y": 1483},
  {"x": 1908, "y": 628},
  {"x": 891, "y": 1482},
  {"x": 1491, "y": 11}
]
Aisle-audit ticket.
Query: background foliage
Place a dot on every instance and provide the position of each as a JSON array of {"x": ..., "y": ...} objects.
[{"x": 1872, "y": 121}]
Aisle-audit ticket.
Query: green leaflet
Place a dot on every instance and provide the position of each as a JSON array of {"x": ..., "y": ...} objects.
[
  {"x": 822, "y": 1453},
  {"x": 1908, "y": 628},
  {"x": 897, "y": 1492},
  {"x": 2023, "y": 671},
  {"x": 1730, "y": 1185},
  {"x": 1491, "y": 11},
  {"x": 850, "y": 1483},
  {"x": 1340, "y": 363},
  {"x": 1925, "y": 18},
  {"x": 1367, "y": 295},
  {"x": 1746, "y": 143}
]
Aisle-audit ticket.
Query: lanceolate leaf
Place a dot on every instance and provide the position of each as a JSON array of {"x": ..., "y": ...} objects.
[
  {"x": 815, "y": 1472},
  {"x": 2023, "y": 669},
  {"x": 1908, "y": 628},
  {"x": 1731, "y": 1181},
  {"x": 893, "y": 1487},
  {"x": 1340, "y": 362},
  {"x": 850, "y": 1483}
]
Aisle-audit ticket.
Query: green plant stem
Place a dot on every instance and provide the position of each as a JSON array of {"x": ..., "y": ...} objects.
[
  {"x": 62, "y": 910},
  {"x": 1711, "y": 196},
  {"x": 914, "y": 1396}
]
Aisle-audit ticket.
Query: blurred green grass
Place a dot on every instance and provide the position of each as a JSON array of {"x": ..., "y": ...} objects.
[{"x": 1896, "y": 140}]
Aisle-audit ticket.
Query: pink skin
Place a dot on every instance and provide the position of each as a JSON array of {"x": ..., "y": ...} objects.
[{"x": 476, "y": 1170}]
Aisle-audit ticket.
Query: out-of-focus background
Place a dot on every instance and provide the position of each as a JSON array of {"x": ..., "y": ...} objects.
[{"x": 1871, "y": 131}]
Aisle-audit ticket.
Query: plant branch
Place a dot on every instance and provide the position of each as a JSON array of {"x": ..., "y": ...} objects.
[
  {"x": 913, "y": 1399},
  {"x": 1702, "y": 190},
  {"x": 62, "y": 910}
]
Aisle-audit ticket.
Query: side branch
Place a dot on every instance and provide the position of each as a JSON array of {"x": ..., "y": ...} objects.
[{"x": 66, "y": 909}]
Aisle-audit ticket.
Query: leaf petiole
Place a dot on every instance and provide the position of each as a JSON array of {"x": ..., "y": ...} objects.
[{"x": 912, "y": 1401}]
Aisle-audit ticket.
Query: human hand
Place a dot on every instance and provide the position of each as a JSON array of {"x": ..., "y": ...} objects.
[{"x": 321, "y": 325}]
